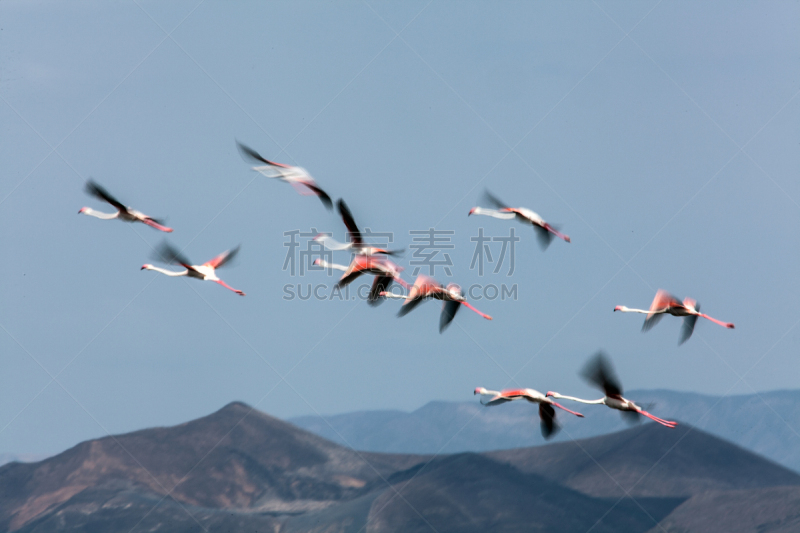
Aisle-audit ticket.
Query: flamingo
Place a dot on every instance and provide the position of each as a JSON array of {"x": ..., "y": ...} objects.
[
  {"x": 600, "y": 373},
  {"x": 665, "y": 303},
  {"x": 356, "y": 240},
  {"x": 123, "y": 212},
  {"x": 547, "y": 414},
  {"x": 385, "y": 273},
  {"x": 426, "y": 287},
  {"x": 545, "y": 231},
  {"x": 297, "y": 177},
  {"x": 206, "y": 271}
]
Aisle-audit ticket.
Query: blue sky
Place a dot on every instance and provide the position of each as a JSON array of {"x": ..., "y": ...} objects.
[{"x": 661, "y": 136}]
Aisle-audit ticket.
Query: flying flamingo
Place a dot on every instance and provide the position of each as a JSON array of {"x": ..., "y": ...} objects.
[
  {"x": 385, "y": 273},
  {"x": 546, "y": 412},
  {"x": 600, "y": 373},
  {"x": 545, "y": 231},
  {"x": 665, "y": 303},
  {"x": 123, "y": 212},
  {"x": 297, "y": 177},
  {"x": 206, "y": 271},
  {"x": 356, "y": 243},
  {"x": 426, "y": 287}
]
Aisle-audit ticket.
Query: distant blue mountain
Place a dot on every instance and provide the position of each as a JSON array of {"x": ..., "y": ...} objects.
[{"x": 766, "y": 423}]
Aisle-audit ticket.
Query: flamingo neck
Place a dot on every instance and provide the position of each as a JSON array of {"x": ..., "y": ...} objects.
[
  {"x": 624, "y": 309},
  {"x": 325, "y": 264},
  {"x": 97, "y": 214},
  {"x": 491, "y": 213},
  {"x": 332, "y": 244},
  {"x": 166, "y": 272},
  {"x": 393, "y": 295},
  {"x": 579, "y": 400}
]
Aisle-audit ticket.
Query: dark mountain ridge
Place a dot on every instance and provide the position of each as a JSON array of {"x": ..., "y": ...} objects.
[{"x": 240, "y": 469}]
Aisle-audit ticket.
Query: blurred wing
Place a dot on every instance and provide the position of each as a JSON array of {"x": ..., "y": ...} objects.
[
  {"x": 171, "y": 255},
  {"x": 248, "y": 153},
  {"x": 381, "y": 284},
  {"x": 493, "y": 399},
  {"x": 688, "y": 326},
  {"x": 544, "y": 236},
  {"x": 349, "y": 222},
  {"x": 409, "y": 306},
  {"x": 492, "y": 199},
  {"x": 651, "y": 320},
  {"x": 663, "y": 300},
  {"x": 599, "y": 372},
  {"x": 348, "y": 278},
  {"x": 449, "y": 310},
  {"x": 631, "y": 417},
  {"x": 323, "y": 196},
  {"x": 223, "y": 258},
  {"x": 99, "y": 192},
  {"x": 547, "y": 415}
]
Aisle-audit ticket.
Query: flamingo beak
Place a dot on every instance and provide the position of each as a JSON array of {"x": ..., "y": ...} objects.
[
  {"x": 82, "y": 210},
  {"x": 550, "y": 393},
  {"x": 618, "y": 308},
  {"x": 472, "y": 211},
  {"x": 477, "y": 391}
]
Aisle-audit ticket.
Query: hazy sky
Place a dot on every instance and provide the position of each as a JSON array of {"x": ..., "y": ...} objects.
[{"x": 661, "y": 136}]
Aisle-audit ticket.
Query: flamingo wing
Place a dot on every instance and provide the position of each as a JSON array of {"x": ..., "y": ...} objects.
[
  {"x": 222, "y": 258},
  {"x": 663, "y": 300},
  {"x": 379, "y": 285},
  {"x": 350, "y": 223},
  {"x": 169, "y": 254},
  {"x": 547, "y": 415},
  {"x": 249, "y": 153},
  {"x": 323, "y": 196},
  {"x": 494, "y": 200},
  {"x": 97, "y": 191},
  {"x": 449, "y": 310},
  {"x": 688, "y": 326},
  {"x": 544, "y": 236},
  {"x": 599, "y": 372}
]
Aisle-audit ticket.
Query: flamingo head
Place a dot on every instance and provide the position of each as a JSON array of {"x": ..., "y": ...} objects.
[
  {"x": 551, "y": 393},
  {"x": 146, "y": 267},
  {"x": 473, "y": 211},
  {"x": 317, "y": 261},
  {"x": 83, "y": 210},
  {"x": 620, "y": 308},
  {"x": 479, "y": 390}
]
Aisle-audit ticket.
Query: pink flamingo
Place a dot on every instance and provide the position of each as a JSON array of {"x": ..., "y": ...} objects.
[
  {"x": 426, "y": 287},
  {"x": 385, "y": 273},
  {"x": 545, "y": 231},
  {"x": 206, "y": 271},
  {"x": 297, "y": 177},
  {"x": 600, "y": 373},
  {"x": 124, "y": 212},
  {"x": 665, "y": 303},
  {"x": 356, "y": 240},
  {"x": 547, "y": 414}
]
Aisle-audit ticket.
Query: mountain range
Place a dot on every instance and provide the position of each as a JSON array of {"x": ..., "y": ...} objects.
[
  {"x": 766, "y": 423},
  {"x": 240, "y": 469}
]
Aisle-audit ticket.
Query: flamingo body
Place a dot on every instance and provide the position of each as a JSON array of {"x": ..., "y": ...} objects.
[
  {"x": 547, "y": 414},
  {"x": 666, "y": 304},
  {"x": 124, "y": 213},
  {"x": 521, "y": 214},
  {"x": 205, "y": 272},
  {"x": 297, "y": 177}
]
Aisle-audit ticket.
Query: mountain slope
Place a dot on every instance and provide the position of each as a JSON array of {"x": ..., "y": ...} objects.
[
  {"x": 235, "y": 458},
  {"x": 768, "y": 424}
]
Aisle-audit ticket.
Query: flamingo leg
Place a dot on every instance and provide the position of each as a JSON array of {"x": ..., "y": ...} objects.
[
  {"x": 484, "y": 315},
  {"x": 237, "y": 291},
  {"x": 157, "y": 225},
  {"x": 715, "y": 321},
  {"x": 557, "y": 233},
  {"x": 567, "y": 410},
  {"x": 659, "y": 420}
]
